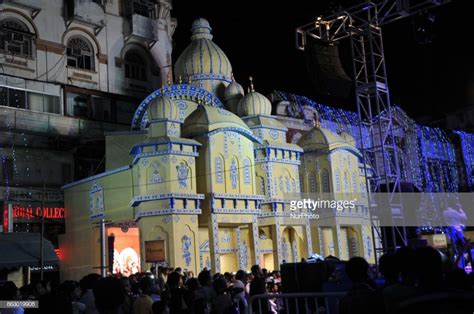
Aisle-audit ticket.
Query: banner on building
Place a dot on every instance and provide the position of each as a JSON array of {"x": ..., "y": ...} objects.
[
  {"x": 96, "y": 198},
  {"x": 155, "y": 251}
]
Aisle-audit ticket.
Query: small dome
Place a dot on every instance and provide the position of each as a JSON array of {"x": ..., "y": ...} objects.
[
  {"x": 254, "y": 104},
  {"x": 163, "y": 108},
  {"x": 233, "y": 91},
  {"x": 203, "y": 64},
  {"x": 320, "y": 138},
  {"x": 206, "y": 119}
]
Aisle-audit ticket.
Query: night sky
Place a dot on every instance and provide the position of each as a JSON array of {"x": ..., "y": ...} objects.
[{"x": 426, "y": 79}]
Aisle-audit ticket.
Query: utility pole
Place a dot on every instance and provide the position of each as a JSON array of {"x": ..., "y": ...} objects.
[
  {"x": 103, "y": 267},
  {"x": 42, "y": 232}
]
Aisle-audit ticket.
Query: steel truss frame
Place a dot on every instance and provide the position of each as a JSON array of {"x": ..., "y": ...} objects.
[{"x": 362, "y": 24}]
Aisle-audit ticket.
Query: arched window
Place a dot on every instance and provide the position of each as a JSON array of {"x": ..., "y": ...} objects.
[
  {"x": 15, "y": 38},
  {"x": 346, "y": 183},
  {"x": 312, "y": 183},
  {"x": 80, "y": 54},
  {"x": 325, "y": 180},
  {"x": 337, "y": 182},
  {"x": 354, "y": 182},
  {"x": 135, "y": 66},
  {"x": 247, "y": 177},
  {"x": 219, "y": 170}
]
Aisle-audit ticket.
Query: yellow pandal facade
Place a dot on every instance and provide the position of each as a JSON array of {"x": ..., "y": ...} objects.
[{"x": 208, "y": 170}]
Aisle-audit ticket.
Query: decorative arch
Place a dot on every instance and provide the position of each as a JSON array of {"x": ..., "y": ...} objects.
[
  {"x": 80, "y": 53},
  {"x": 25, "y": 19},
  {"x": 79, "y": 31},
  {"x": 219, "y": 169},
  {"x": 175, "y": 92},
  {"x": 234, "y": 173},
  {"x": 155, "y": 234},
  {"x": 142, "y": 51},
  {"x": 16, "y": 38},
  {"x": 291, "y": 247}
]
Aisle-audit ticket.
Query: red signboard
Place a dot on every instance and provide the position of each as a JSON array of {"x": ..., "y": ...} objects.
[
  {"x": 5, "y": 220},
  {"x": 21, "y": 212}
]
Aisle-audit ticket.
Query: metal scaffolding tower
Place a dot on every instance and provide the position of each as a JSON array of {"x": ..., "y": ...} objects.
[{"x": 362, "y": 24}]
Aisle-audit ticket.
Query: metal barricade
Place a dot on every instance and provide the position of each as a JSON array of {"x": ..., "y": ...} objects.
[{"x": 296, "y": 303}]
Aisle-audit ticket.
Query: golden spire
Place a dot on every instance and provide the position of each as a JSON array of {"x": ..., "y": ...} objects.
[
  {"x": 252, "y": 89},
  {"x": 180, "y": 80},
  {"x": 169, "y": 82}
]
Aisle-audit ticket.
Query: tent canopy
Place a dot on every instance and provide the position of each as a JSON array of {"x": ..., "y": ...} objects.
[{"x": 23, "y": 249}]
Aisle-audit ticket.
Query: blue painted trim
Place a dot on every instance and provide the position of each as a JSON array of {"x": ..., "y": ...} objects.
[
  {"x": 98, "y": 176},
  {"x": 161, "y": 153},
  {"x": 181, "y": 91}
]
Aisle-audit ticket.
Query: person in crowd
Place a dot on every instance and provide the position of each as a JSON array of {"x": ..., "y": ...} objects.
[
  {"x": 358, "y": 298},
  {"x": 389, "y": 269},
  {"x": 144, "y": 302},
  {"x": 162, "y": 277},
  {"x": 238, "y": 290},
  {"x": 87, "y": 284},
  {"x": 190, "y": 274},
  {"x": 455, "y": 219},
  {"x": 429, "y": 270},
  {"x": 109, "y": 295},
  {"x": 275, "y": 304},
  {"x": 404, "y": 288},
  {"x": 176, "y": 294},
  {"x": 129, "y": 298},
  {"x": 258, "y": 286},
  {"x": 222, "y": 303}
]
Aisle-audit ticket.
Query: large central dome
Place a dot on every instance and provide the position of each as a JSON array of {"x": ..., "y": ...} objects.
[{"x": 203, "y": 64}]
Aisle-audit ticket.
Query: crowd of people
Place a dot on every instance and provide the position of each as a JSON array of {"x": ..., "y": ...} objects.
[
  {"x": 162, "y": 290},
  {"x": 408, "y": 276}
]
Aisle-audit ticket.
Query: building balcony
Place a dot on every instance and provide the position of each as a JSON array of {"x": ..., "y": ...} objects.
[
  {"x": 23, "y": 120},
  {"x": 143, "y": 28}
]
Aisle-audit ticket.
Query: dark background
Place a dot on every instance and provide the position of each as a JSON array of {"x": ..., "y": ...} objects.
[{"x": 429, "y": 75}]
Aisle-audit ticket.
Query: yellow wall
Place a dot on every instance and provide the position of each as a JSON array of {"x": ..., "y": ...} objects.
[
  {"x": 80, "y": 244},
  {"x": 117, "y": 149}
]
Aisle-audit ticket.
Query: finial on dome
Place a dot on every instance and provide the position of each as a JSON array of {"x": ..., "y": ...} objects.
[
  {"x": 180, "y": 79},
  {"x": 201, "y": 29},
  {"x": 252, "y": 89},
  {"x": 316, "y": 122}
]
